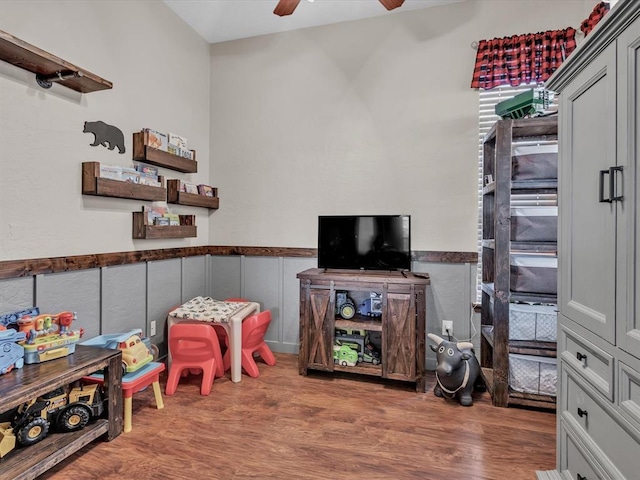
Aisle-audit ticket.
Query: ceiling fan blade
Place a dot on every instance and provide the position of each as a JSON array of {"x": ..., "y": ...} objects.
[
  {"x": 286, "y": 7},
  {"x": 391, "y": 4}
]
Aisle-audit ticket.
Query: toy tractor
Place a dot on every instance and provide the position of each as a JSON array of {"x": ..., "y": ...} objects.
[{"x": 66, "y": 412}]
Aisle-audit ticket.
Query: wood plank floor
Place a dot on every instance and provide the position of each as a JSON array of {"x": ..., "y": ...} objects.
[{"x": 286, "y": 426}]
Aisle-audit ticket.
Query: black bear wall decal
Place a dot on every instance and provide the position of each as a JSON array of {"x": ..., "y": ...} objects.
[{"x": 104, "y": 134}]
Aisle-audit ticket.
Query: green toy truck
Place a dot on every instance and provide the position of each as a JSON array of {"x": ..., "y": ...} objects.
[{"x": 345, "y": 356}]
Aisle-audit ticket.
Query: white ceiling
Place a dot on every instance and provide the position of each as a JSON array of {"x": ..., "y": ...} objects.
[{"x": 222, "y": 20}]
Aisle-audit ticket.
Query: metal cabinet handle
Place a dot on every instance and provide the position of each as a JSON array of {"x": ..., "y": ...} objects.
[
  {"x": 580, "y": 356},
  {"x": 612, "y": 184},
  {"x": 601, "y": 198},
  {"x": 582, "y": 413},
  {"x": 611, "y": 171}
]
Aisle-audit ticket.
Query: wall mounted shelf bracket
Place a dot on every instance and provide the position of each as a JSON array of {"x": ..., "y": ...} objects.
[{"x": 46, "y": 81}]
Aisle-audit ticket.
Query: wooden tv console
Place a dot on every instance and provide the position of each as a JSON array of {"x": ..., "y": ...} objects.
[{"x": 401, "y": 324}]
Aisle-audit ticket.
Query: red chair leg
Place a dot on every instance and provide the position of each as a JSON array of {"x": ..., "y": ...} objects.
[
  {"x": 207, "y": 380},
  {"x": 249, "y": 364},
  {"x": 266, "y": 354},
  {"x": 172, "y": 380},
  {"x": 226, "y": 360}
]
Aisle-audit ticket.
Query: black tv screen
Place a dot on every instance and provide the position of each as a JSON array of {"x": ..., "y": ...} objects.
[{"x": 364, "y": 242}]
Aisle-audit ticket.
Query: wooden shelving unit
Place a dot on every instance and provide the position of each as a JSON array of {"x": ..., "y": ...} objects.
[
  {"x": 174, "y": 195},
  {"x": 496, "y": 253},
  {"x": 144, "y": 153},
  {"x": 31, "y": 381},
  {"x": 142, "y": 229},
  {"x": 45, "y": 65},
  {"x": 92, "y": 184}
]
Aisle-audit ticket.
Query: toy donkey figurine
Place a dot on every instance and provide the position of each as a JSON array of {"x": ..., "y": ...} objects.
[{"x": 456, "y": 370}]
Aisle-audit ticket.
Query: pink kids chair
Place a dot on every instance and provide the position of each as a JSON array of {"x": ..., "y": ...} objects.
[
  {"x": 253, "y": 330},
  {"x": 194, "y": 346}
]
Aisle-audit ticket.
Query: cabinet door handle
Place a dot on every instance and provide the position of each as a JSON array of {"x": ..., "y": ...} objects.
[
  {"x": 612, "y": 185},
  {"x": 601, "y": 198},
  {"x": 580, "y": 477},
  {"x": 582, "y": 413},
  {"x": 611, "y": 171},
  {"x": 581, "y": 357}
]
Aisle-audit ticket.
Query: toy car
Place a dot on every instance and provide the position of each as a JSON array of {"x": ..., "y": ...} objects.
[
  {"x": 371, "y": 354},
  {"x": 345, "y": 356},
  {"x": 11, "y": 353},
  {"x": 345, "y": 307},
  {"x": 135, "y": 353},
  {"x": 371, "y": 307}
]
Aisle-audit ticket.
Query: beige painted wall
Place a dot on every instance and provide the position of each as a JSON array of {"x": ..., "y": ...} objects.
[
  {"x": 374, "y": 116},
  {"x": 160, "y": 71}
]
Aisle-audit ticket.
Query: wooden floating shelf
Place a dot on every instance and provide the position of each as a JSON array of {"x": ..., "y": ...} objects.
[
  {"x": 142, "y": 230},
  {"x": 45, "y": 65},
  {"x": 144, "y": 153},
  {"x": 92, "y": 184},
  {"x": 174, "y": 195}
]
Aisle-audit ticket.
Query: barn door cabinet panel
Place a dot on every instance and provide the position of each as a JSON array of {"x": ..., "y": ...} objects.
[
  {"x": 47, "y": 67},
  {"x": 401, "y": 325},
  {"x": 31, "y": 381},
  {"x": 174, "y": 195},
  {"x": 599, "y": 272},
  {"x": 93, "y": 184},
  {"x": 144, "y": 153},
  {"x": 508, "y": 251},
  {"x": 143, "y": 230}
]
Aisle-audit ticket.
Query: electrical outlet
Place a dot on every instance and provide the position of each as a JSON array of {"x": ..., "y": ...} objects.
[
  {"x": 447, "y": 325},
  {"x": 152, "y": 328}
]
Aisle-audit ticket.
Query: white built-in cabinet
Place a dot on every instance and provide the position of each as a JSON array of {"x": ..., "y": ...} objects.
[{"x": 599, "y": 274}]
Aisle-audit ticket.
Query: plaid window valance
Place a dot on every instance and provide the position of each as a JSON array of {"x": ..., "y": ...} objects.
[
  {"x": 521, "y": 59},
  {"x": 596, "y": 15}
]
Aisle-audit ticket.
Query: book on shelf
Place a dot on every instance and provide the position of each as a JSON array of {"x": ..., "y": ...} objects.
[
  {"x": 190, "y": 188},
  {"x": 161, "y": 221},
  {"x": 174, "y": 218},
  {"x": 206, "y": 190},
  {"x": 185, "y": 153},
  {"x": 130, "y": 175},
  {"x": 187, "y": 219},
  {"x": 155, "y": 211},
  {"x": 157, "y": 140},
  {"x": 180, "y": 152},
  {"x": 151, "y": 180},
  {"x": 178, "y": 141},
  {"x": 146, "y": 168},
  {"x": 111, "y": 172}
]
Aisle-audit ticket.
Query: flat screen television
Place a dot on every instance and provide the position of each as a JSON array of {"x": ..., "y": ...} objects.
[{"x": 364, "y": 242}]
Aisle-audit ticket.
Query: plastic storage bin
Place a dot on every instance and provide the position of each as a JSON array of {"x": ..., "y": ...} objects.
[
  {"x": 533, "y": 374},
  {"x": 534, "y": 224},
  {"x": 534, "y": 199},
  {"x": 533, "y": 322},
  {"x": 532, "y": 273},
  {"x": 534, "y": 162}
]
